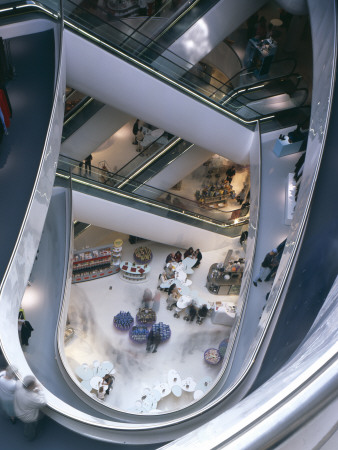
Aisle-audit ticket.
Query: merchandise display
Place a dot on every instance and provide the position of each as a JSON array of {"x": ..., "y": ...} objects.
[
  {"x": 139, "y": 334},
  {"x": 222, "y": 347},
  {"x": 163, "y": 330},
  {"x": 143, "y": 255},
  {"x": 92, "y": 263},
  {"x": 212, "y": 356},
  {"x": 146, "y": 316},
  {"x": 117, "y": 252},
  {"x": 123, "y": 321},
  {"x": 225, "y": 278},
  {"x": 134, "y": 272}
]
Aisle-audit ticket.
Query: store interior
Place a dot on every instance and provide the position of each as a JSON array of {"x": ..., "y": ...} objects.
[{"x": 94, "y": 339}]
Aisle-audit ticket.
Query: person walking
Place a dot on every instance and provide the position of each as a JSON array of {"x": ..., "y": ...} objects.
[
  {"x": 266, "y": 266},
  {"x": 28, "y": 400},
  {"x": 7, "y": 390}
]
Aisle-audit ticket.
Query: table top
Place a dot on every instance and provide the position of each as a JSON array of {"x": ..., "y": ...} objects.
[
  {"x": 96, "y": 382},
  {"x": 129, "y": 267}
]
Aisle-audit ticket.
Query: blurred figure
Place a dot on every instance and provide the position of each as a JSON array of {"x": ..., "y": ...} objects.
[
  {"x": 108, "y": 381},
  {"x": 170, "y": 258},
  {"x": 147, "y": 298},
  {"x": 88, "y": 164},
  {"x": 178, "y": 256},
  {"x": 266, "y": 266},
  {"x": 202, "y": 314},
  {"x": 188, "y": 252},
  {"x": 7, "y": 390},
  {"x": 28, "y": 400},
  {"x": 156, "y": 302}
]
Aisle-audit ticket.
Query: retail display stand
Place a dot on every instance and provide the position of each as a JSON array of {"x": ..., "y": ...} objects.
[
  {"x": 117, "y": 252},
  {"x": 92, "y": 263}
]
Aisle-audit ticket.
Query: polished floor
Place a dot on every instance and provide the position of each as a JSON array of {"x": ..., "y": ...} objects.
[{"x": 94, "y": 304}]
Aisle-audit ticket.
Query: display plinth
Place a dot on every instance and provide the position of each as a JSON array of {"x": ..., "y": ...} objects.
[{"x": 283, "y": 147}]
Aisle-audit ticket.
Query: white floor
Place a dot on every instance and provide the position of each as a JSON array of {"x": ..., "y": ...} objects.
[{"x": 94, "y": 304}]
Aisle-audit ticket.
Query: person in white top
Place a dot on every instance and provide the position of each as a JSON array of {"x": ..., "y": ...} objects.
[
  {"x": 7, "y": 390},
  {"x": 28, "y": 400}
]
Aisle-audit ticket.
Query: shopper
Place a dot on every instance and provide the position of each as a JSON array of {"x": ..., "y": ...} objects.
[
  {"x": 156, "y": 302},
  {"x": 139, "y": 138},
  {"x": 266, "y": 266},
  {"x": 153, "y": 341},
  {"x": 135, "y": 130},
  {"x": 7, "y": 390},
  {"x": 26, "y": 331},
  {"x": 170, "y": 258},
  {"x": 178, "y": 256},
  {"x": 276, "y": 260},
  {"x": 147, "y": 298},
  {"x": 108, "y": 381},
  {"x": 28, "y": 401},
  {"x": 198, "y": 256},
  {"x": 88, "y": 164},
  {"x": 188, "y": 252}
]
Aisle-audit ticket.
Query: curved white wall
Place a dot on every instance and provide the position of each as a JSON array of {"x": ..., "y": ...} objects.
[{"x": 113, "y": 216}]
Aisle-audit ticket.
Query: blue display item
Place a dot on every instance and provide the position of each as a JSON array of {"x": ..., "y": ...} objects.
[
  {"x": 123, "y": 321},
  {"x": 139, "y": 334},
  {"x": 223, "y": 346},
  {"x": 163, "y": 330}
]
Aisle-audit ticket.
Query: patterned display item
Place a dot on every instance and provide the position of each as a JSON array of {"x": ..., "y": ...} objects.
[
  {"x": 143, "y": 255},
  {"x": 146, "y": 316},
  {"x": 222, "y": 347},
  {"x": 139, "y": 334},
  {"x": 212, "y": 356},
  {"x": 123, "y": 320},
  {"x": 163, "y": 330}
]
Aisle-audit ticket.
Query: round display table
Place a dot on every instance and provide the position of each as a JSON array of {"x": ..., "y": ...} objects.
[
  {"x": 143, "y": 255},
  {"x": 212, "y": 356},
  {"x": 139, "y": 334},
  {"x": 146, "y": 316},
  {"x": 123, "y": 321}
]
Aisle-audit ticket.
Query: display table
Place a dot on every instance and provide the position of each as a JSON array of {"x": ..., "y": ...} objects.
[
  {"x": 146, "y": 316},
  {"x": 123, "y": 321},
  {"x": 212, "y": 356},
  {"x": 143, "y": 255},
  {"x": 283, "y": 147},
  {"x": 139, "y": 334},
  {"x": 225, "y": 280},
  {"x": 224, "y": 315},
  {"x": 134, "y": 272}
]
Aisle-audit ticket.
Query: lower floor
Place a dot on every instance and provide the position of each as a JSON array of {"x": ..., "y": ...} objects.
[{"x": 94, "y": 304}]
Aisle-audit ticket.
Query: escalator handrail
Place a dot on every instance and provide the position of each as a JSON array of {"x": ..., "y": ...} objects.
[{"x": 156, "y": 203}]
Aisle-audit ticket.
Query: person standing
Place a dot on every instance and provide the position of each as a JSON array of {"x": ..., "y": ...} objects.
[
  {"x": 266, "y": 266},
  {"x": 7, "y": 390},
  {"x": 28, "y": 400},
  {"x": 26, "y": 331},
  {"x": 88, "y": 164},
  {"x": 139, "y": 138},
  {"x": 135, "y": 130}
]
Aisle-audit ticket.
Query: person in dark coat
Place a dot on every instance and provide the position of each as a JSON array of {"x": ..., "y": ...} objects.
[
  {"x": 88, "y": 164},
  {"x": 26, "y": 331},
  {"x": 266, "y": 266},
  {"x": 135, "y": 130}
]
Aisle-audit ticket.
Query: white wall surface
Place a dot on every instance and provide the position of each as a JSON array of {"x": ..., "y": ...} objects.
[
  {"x": 119, "y": 84},
  {"x": 124, "y": 219},
  {"x": 94, "y": 132}
]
